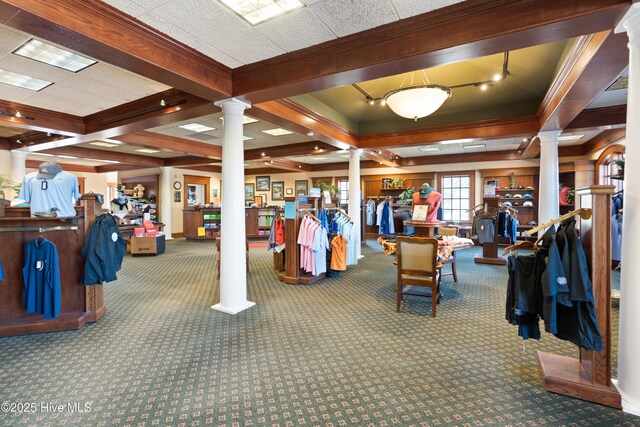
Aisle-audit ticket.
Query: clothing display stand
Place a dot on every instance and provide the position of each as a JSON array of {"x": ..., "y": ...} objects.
[
  {"x": 293, "y": 274},
  {"x": 589, "y": 377},
  {"x": 490, "y": 249},
  {"x": 79, "y": 304}
]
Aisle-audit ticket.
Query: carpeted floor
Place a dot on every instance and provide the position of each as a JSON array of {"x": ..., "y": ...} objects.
[{"x": 333, "y": 353}]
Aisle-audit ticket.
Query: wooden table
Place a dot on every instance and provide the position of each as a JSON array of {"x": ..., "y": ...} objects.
[
  {"x": 444, "y": 251},
  {"x": 424, "y": 229}
]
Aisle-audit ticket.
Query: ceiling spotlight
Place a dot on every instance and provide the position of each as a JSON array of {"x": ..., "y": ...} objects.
[
  {"x": 525, "y": 139},
  {"x": 262, "y": 154},
  {"x": 497, "y": 77},
  {"x": 310, "y": 133},
  {"x": 371, "y": 101},
  {"x": 484, "y": 86},
  {"x": 316, "y": 148},
  {"x": 383, "y": 102},
  {"x": 18, "y": 141},
  {"x": 271, "y": 161},
  {"x": 300, "y": 166},
  {"x": 48, "y": 133},
  {"x": 18, "y": 114},
  {"x": 162, "y": 103}
]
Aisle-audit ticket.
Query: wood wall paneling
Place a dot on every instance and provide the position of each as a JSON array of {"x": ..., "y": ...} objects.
[{"x": 599, "y": 118}]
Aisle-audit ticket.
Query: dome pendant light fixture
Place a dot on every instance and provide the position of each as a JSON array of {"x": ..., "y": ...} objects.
[{"x": 417, "y": 100}]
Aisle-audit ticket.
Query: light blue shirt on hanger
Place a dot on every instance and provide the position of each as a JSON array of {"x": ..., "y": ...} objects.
[{"x": 58, "y": 192}]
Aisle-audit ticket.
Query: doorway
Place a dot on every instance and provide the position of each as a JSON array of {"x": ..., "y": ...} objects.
[{"x": 196, "y": 190}]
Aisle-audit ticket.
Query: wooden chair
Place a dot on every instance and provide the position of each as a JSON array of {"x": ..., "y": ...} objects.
[
  {"x": 448, "y": 231},
  {"x": 416, "y": 258}
]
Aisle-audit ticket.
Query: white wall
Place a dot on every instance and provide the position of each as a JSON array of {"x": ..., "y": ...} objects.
[{"x": 5, "y": 162}]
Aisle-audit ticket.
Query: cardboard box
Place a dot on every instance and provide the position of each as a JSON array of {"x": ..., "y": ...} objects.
[{"x": 147, "y": 245}]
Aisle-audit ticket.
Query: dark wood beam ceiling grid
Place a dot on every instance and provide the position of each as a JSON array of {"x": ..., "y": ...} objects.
[
  {"x": 5, "y": 144},
  {"x": 532, "y": 149},
  {"x": 96, "y": 29},
  {"x": 599, "y": 118},
  {"x": 89, "y": 153},
  {"x": 43, "y": 120},
  {"x": 186, "y": 146},
  {"x": 570, "y": 151},
  {"x": 189, "y": 161},
  {"x": 600, "y": 141},
  {"x": 595, "y": 61},
  {"x": 462, "y": 158},
  {"x": 382, "y": 156},
  {"x": 456, "y": 33},
  {"x": 117, "y": 168},
  {"x": 296, "y": 118},
  {"x": 525, "y": 126},
  {"x": 212, "y": 169},
  {"x": 289, "y": 150},
  {"x": 69, "y": 167}
]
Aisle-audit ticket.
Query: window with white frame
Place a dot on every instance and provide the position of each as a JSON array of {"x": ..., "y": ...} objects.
[
  {"x": 343, "y": 186},
  {"x": 456, "y": 197}
]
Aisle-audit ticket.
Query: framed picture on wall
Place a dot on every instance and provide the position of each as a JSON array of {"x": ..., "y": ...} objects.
[
  {"x": 277, "y": 190},
  {"x": 249, "y": 193},
  {"x": 177, "y": 196},
  {"x": 263, "y": 183},
  {"x": 302, "y": 187},
  {"x": 289, "y": 191}
]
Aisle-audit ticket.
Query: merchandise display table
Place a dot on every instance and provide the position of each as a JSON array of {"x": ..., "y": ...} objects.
[
  {"x": 424, "y": 229},
  {"x": 445, "y": 247}
]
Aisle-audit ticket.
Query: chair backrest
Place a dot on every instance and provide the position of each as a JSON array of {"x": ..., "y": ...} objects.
[
  {"x": 447, "y": 231},
  {"x": 417, "y": 255}
]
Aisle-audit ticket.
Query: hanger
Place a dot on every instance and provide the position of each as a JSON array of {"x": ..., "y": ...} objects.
[
  {"x": 525, "y": 244},
  {"x": 41, "y": 235},
  {"x": 583, "y": 212}
]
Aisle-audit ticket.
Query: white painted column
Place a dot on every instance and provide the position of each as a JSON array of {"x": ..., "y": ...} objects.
[
  {"x": 233, "y": 265},
  {"x": 165, "y": 197},
  {"x": 628, "y": 343},
  {"x": 354, "y": 195},
  {"x": 548, "y": 200},
  {"x": 18, "y": 165}
]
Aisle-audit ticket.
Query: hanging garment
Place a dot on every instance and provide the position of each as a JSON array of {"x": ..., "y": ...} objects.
[
  {"x": 319, "y": 247},
  {"x": 384, "y": 222},
  {"x": 371, "y": 209},
  {"x": 485, "y": 228},
  {"x": 523, "y": 295},
  {"x": 339, "y": 253},
  {"x": 103, "y": 251},
  {"x": 1, "y": 272},
  {"x": 41, "y": 279}
]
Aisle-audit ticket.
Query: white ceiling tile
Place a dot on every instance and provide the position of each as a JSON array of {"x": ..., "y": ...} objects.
[
  {"x": 127, "y": 6},
  {"x": 11, "y": 40},
  {"x": 296, "y": 30},
  {"x": 151, "y": 4},
  {"x": 239, "y": 40},
  {"x": 32, "y": 68},
  {"x": 119, "y": 78},
  {"x": 407, "y": 8},
  {"x": 216, "y": 54},
  {"x": 50, "y": 102},
  {"x": 345, "y": 17},
  {"x": 15, "y": 94},
  {"x": 76, "y": 94}
]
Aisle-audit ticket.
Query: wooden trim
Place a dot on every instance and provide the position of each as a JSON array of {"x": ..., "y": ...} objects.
[
  {"x": 90, "y": 153},
  {"x": 524, "y": 126},
  {"x": 526, "y": 171},
  {"x": 189, "y": 161},
  {"x": 599, "y": 118},
  {"x": 107, "y": 34},
  {"x": 186, "y": 146},
  {"x": 119, "y": 167},
  {"x": 461, "y": 158},
  {"x": 472, "y": 185},
  {"x": 177, "y": 235},
  {"x": 296, "y": 118},
  {"x": 570, "y": 151},
  {"x": 459, "y": 32},
  {"x": 211, "y": 169},
  {"x": 69, "y": 167},
  {"x": 44, "y": 120},
  {"x": 616, "y": 148},
  {"x": 533, "y": 149},
  {"x": 279, "y": 151},
  {"x": 603, "y": 139},
  {"x": 593, "y": 63},
  {"x": 195, "y": 180}
]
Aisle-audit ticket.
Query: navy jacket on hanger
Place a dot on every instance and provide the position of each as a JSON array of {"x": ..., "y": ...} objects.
[
  {"x": 103, "y": 251},
  {"x": 41, "y": 279}
]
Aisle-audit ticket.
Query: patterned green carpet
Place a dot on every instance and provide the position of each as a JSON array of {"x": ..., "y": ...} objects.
[{"x": 334, "y": 353}]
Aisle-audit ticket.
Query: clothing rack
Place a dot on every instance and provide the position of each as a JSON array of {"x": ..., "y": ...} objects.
[
  {"x": 80, "y": 304},
  {"x": 490, "y": 249},
  {"x": 293, "y": 274},
  {"x": 39, "y": 229},
  {"x": 583, "y": 212},
  {"x": 589, "y": 377}
]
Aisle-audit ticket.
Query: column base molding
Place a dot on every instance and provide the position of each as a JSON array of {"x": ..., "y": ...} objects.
[
  {"x": 628, "y": 405},
  {"x": 234, "y": 309}
]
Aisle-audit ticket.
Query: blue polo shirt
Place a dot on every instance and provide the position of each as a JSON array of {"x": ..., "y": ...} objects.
[{"x": 57, "y": 192}]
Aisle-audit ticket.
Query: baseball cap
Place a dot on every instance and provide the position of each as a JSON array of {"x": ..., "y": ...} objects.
[
  {"x": 517, "y": 196},
  {"x": 527, "y": 204},
  {"x": 48, "y": 170},
  {"x": 424, "y": 190},
  {"x": 528, "y": 196},
  {"x": 507, "y": 203},
  {"x": 508, "y": 196}
]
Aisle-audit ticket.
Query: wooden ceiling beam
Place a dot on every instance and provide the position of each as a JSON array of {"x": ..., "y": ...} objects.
[
  {"x": 382, "y": 156},
  {"x": 524, "y": 126},
  {"x": 69, "y": 167},
  {"x": 89, "y": 153},
  {"x": 593, "y": 63},
  {"x": 158, "y": 140},
  {"x": 189, "y": 161},
  {"x": 43, "y": 120},
  {"x": 599, "y": 119},
  {"x": 289, "y": 150},
  {"x": 118, "y": 167},
  {"x": 455, "y": 33},
  {"x": 101, "y": 31},
  {"x": 487, "y": 156},
  {"x": 296, "y": 118},
  {"x": 532, "y": 150},
  {"x": 5, "y": 144},
  {"x": 213, "y": 169},
  {"x": 288, "y": 165},
  {"x": 603, "y": 139},
  {"x": 570, "y": 151}
]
